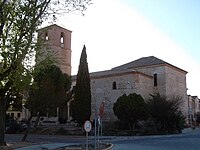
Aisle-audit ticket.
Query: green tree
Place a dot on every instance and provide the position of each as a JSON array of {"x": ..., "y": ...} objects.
[
  {"x": 130, "y": 109},
  {"x": 165, "y": 112},
  {"x": 15, "y": 100},
  {"x": 49, "y": 91},
  {"x": 19, "y": 20},
  {"x": 82, "y": 95}
]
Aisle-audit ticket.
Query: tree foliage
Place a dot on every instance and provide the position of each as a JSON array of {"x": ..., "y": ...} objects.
[
  {"x": 130, "y": 109},
  {"x": 19, "y": 20},
  {"x": 82, "y": 94},
  {"x": 165, "y": 112},
  {"x": 48, "y": 91}
]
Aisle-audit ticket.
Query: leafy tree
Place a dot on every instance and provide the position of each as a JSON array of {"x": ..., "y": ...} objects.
[
  {"x": 130, "y": 109},
  {"x": 49, "y": 91},
  {"x": 19, "y": 20},
  {"x": 15, "y": 101},
  {"x": 82, "y": 95},
  {"x": 165, "y": 113}
]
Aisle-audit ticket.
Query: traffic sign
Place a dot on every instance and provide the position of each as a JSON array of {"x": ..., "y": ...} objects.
[{"x": 87, "y": 126}]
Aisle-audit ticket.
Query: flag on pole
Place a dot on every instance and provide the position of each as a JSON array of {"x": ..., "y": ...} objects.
[{"x": 101, "y": 109}]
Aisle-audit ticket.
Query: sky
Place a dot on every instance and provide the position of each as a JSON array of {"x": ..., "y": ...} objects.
[{"x": 116, "y": 32}]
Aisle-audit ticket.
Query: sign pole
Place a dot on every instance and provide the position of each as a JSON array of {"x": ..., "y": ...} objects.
[
  {"x": 86, "y": 140},
  {"x": 87, "y": 127}
]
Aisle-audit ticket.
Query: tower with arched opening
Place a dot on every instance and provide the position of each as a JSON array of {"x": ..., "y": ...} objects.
[{"x": 55, "y": 43}]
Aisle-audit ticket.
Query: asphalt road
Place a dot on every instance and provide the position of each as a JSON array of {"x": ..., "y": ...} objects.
[{"x": 188, "y": 140}]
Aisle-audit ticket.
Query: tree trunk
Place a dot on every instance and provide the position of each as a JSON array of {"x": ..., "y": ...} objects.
[
  {"x": 37, "y": 120},
  {"x": 29, "y": 125},
  {"x": 2, "y": 123},
  {"x": 27, "y": 130}
]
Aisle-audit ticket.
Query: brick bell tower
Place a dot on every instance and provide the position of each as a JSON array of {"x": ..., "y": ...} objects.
[{"x": 56, "y": 44}]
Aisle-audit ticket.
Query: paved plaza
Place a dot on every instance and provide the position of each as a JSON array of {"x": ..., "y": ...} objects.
[{"x": 188, "y": 140}]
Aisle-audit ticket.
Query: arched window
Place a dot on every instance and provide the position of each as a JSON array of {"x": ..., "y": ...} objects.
[
  {"x": 62, "y": 39},
  {"x": 46, "y": 36},
  {"x": 114, "y": 86}
]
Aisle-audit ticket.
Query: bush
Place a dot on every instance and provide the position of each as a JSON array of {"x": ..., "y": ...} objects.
[
  {"x": 165, "y": 113},
  {"x": 130, "y": 109}
]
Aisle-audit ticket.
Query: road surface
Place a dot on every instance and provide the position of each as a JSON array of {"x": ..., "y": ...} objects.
[{"x": 188, "y": 140}]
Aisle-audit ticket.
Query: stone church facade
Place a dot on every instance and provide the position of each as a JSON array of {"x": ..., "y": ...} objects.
[{"x": 145, "y": 76}]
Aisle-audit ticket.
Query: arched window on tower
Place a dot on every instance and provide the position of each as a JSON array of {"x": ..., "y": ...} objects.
[
  {"x": 46, "y": 36},
  {"x": 62, "y": 39},
  {"x": 114, "y": 85}
]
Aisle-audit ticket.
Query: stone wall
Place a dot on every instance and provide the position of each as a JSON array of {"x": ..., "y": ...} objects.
[
  {"x": 176, "y": 86},
  {"x": 102, "y": 90},
  {"x": 171, "y": 81}
]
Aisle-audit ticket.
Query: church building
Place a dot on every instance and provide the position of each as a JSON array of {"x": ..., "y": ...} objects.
[{"x": 144, "y": 76}]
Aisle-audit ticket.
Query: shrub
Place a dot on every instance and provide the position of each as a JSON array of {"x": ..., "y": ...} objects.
[
  {"x": 165, "y": 113},
  {"x": 130, "y": 109}
]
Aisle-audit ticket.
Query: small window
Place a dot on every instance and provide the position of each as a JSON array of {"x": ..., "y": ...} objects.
[
  {"x": 46, "y": 36},
  {"x": 62, "y": 39},
  {"x": 114, "y": 86},
  {"x": 155, "y": 80}
]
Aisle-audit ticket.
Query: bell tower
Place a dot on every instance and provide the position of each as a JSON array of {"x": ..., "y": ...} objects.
[{"x": 56, "y": 44}]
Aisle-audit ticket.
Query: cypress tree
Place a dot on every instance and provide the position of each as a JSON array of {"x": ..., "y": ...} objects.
[{"x": 82, "y": 94}]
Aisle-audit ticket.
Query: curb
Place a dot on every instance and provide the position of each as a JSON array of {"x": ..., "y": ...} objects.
[{"x": 111, "y": 146}]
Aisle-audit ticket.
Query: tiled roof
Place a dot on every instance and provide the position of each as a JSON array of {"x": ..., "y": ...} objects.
[
  {"x": 53, "y": 25},
  {"x": 144, "y": 61},
  {"x": 129, "y": 67},
  {"x": 107, "y": 73}
]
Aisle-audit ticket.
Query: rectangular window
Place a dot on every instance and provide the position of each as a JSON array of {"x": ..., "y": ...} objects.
[
  {"x": 114, "y": 86},
  {"x": 155, "y": 79}
]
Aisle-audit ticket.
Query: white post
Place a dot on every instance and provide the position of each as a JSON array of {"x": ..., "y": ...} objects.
[
  {"x": 98, "y": 135},
  {"x": 58, "y": 112},
  {"x": 86, "y": 140}
]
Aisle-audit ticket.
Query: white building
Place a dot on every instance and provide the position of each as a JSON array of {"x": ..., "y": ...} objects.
[{"x": 193, "y": 108}]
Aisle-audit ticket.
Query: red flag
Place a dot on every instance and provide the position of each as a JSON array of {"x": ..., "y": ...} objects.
[{"x": 101, "y": 109}]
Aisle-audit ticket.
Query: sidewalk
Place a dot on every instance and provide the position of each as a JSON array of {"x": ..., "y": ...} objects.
[{"x": 50, "y": 146}]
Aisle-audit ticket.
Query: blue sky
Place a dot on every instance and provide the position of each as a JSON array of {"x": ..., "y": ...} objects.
[
  {"x": 178, "y": 18},
  {"x": 116, "y": 32}
]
